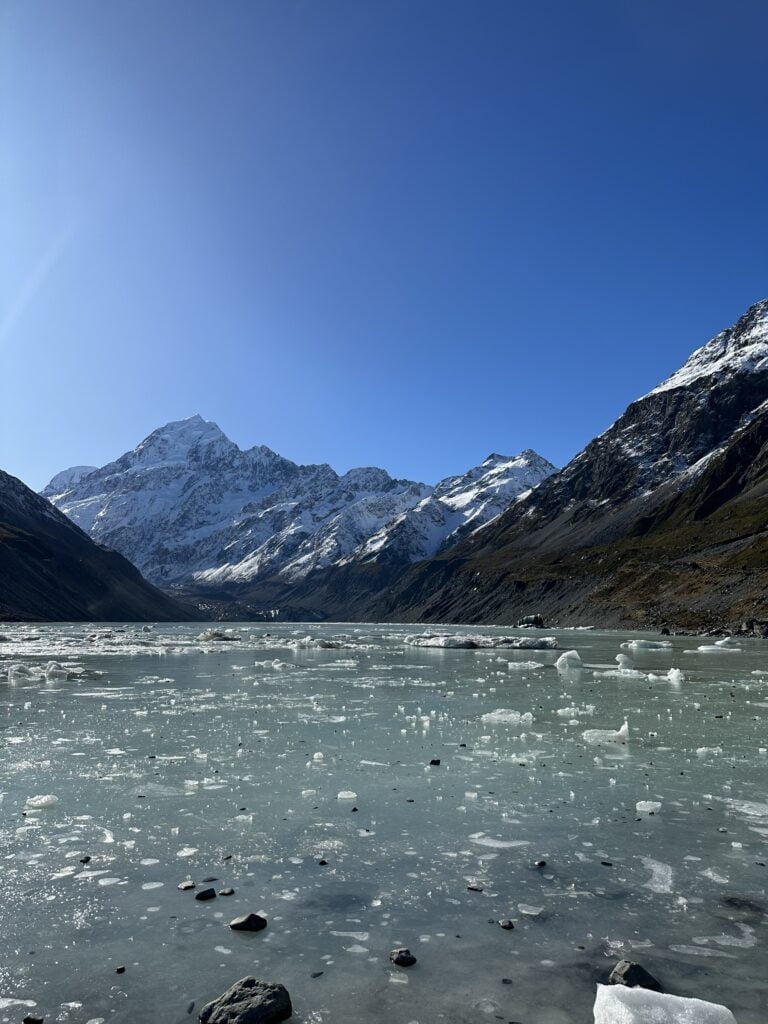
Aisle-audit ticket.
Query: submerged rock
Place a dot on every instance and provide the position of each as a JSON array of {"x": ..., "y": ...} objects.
[
  {"x": 248, "y": 923},
  {"x": 402, "y": 957},
  {"x": 249, "y": 1001},
  {"x": 626, "y": 972}
]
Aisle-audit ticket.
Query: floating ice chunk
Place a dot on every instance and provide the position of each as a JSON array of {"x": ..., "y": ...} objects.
[
  {"x": 574, "y": 712},
  {"x": 661, "y": 875},
  {"x": 346, "y": 794},
  {"x": 703, "y": 751},
  {"x": 529, "y": 911},
  {"x": 186, "y": 851},
  {"x": 728, "y": 642},
  {"x": 568, "y": 661},
  {"x": 618, "y": 1004},
  {"x": 595, "y": 736},
  {"x": 647, "y": 806},
  {"x": 218, "y": 634},
  {"x": 497, "y": 844},
  {"x": 646, "y": 645},
  {"x": 39, "y": 803},
  {"x": 319, "y": 756},
  {"x": 524, "y": 666},
  {"x": 505, "y": 716},
  {"x": 675, "y": 676},
  {"x": 464, "y": 642}
]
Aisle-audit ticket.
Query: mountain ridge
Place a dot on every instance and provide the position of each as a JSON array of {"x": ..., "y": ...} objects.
[{"x": 188, "y": 506}]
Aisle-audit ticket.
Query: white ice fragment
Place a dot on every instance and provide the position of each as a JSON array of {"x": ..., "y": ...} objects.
[
  {"x": 39, "y": 803},
  {"x": 618, "y": 1004},
  {"x": 568, "y": 661},
  {"x": 595, "y": 736},
  {"x": 647, "y": 806},
  {"x": 346, "y": 794},
  {"x": 661, "y": 875},
  {"x": 505, "y": 716},
  {"x": 646, "y": 645},
  {"x": 319, "y": 756}
]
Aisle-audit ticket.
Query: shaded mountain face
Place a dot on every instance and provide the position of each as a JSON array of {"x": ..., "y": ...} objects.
[
  {"x": 632, "y": 516},
  {"x": 189, "y": 507},
  {"x": 51, "y": 571}
]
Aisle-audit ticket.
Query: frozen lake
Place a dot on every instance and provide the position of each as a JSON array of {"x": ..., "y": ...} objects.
[{"x": 250, "y": 761}]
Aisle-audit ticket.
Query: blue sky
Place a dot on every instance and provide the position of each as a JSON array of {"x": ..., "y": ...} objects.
[{"x": 394, "y": 233}]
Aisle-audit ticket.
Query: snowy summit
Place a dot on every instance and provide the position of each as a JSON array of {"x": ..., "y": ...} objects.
[{"x": 188, "y": 505}]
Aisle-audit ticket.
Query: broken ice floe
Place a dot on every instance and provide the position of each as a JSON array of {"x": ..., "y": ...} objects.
[
  {"x": 459, "y": 642},
  {"x": 619, "y": 1004}
]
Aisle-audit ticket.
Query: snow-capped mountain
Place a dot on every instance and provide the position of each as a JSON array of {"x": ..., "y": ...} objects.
[
  {"x": 189, "y": 506},
  {"x": 642, "y": 516},
  {"x": 458, "y": 506}
]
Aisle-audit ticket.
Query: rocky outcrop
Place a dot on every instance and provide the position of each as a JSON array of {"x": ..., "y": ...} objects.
[{"x": 50, "y": 570}]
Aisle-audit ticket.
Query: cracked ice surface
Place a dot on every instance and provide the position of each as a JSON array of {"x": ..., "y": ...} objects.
[{"x": 172, "y": 754}]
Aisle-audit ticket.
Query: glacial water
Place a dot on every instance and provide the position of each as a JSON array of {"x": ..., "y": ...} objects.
[{"x": 251, "y": 760}]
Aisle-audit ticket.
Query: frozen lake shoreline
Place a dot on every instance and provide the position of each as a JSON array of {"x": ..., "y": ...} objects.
[{"x": 175, "y": 757}]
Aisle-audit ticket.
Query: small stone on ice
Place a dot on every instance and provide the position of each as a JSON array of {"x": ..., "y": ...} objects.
[
  {"x": 402, "y": 957},
  {"x": 506, "y": 924},
  {"x": 248, "y": 923},
  {"x": 626, "y": 972},
  {"x": 206, "y": 894},
  {"x": 434, "y": 762}
]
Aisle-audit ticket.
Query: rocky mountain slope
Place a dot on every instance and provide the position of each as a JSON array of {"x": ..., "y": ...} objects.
[
  {"x": 51, "y": 570},
  {"x": 190, "y": 508},
  {"x": 659, "y": 519}
]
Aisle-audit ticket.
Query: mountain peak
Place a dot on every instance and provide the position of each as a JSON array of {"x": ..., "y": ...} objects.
[{"x": 741, "y": 348}]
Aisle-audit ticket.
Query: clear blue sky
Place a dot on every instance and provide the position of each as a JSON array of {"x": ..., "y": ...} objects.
[{"x": 368, "y": 231}]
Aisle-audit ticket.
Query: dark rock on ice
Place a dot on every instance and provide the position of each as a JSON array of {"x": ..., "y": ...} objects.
[
  {"x": 248, "y": 923},
  {"x": 210, "y": 878},
  {"x": 206, "y": 894},
  {"x": 626, "y": 972},
  {"x": 29, "y": 1019},
  {"x": 434, "y": 762},
  {"x": 120, "y": 969},
  {"x": 249, "y": 1001},
  {"x": 402, "y": 957},
  {"x": 506, "y": 924}
]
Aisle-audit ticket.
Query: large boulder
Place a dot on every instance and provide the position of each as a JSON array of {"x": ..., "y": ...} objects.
[{"x": 249, "y": 1001}]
